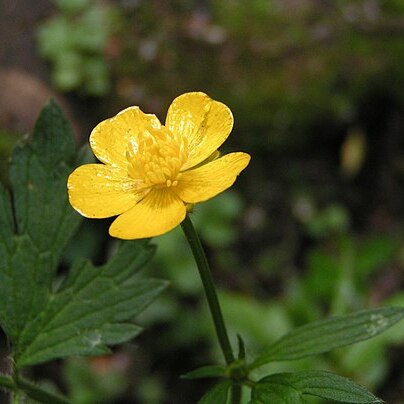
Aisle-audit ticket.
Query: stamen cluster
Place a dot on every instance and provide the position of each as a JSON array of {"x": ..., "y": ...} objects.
[{"x": 156, "y": 158}]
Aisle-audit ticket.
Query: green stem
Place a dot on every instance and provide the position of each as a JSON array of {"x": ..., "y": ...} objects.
[
  {"x": 236, "y": 393},
  {"x": 210, "y": 291},
  {"x": 31, "y": 390}
]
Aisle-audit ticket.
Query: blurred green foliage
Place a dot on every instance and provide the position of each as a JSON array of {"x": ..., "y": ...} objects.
[
  {"x": 100, "y": 380},
  {"x": 75, "y": 42},
  {"x": 280, "y": 65}
]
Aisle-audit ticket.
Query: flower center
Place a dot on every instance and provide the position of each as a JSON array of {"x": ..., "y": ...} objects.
[{"x": 156, "y": 157}]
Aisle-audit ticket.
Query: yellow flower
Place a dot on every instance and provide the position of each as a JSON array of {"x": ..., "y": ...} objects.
[{"x": 150, "y": 171}]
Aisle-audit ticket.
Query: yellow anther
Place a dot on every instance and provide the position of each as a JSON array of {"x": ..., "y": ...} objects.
[
  {"x": 166, "y": 171},
  {"x": 156, "y": 158}
]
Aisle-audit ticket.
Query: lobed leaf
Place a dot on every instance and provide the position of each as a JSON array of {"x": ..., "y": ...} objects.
[
  {"x": 87, "y": 313},
  {"x": 23, "y": 287},
  {"x": 322, "y": 336},
  {"x": 37, "y": 222},
  {"x": 94, "y": 306},
  {"x": 38, "y": 172},
  {"x": 288, "y": 388}
]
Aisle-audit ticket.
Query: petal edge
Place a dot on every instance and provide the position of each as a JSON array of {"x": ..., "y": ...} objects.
[
  {"x": 159, "y": 212},
  {"x": 207, "y": 181},
  {"x": 204, "y": 122},
  {"x": 100, "y": 191},
  {"x": 110, "y": 139}
]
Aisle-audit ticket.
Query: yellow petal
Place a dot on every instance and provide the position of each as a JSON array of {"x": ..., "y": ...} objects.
[
  {"x": 207, "y": 181},
  {"x": 111, "y": 139},
  {"x": 99, "y": 191},
  {"x": 205, "y": 123},
  {"x": 159, "y": 212}
]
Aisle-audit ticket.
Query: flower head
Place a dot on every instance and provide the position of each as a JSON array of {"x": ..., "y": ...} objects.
[{"x": 150, "y": 172}]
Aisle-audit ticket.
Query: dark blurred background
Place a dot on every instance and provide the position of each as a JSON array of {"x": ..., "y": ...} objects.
[{"x": 313, "y": 227}]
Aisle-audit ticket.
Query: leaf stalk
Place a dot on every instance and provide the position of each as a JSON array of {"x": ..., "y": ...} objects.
[{"x": 17, "y": 385}]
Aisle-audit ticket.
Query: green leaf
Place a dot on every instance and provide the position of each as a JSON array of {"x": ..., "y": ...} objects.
[
  {"x": 39, "y": 393},
  {"x": 205, "y": 371},
  {"x": 263, "y": 393},
  {"x": 285, "y": 388},
  {"x": 88, "y": 312},
  {"x": 217, "y": 394},
  {"x": 325, "y": 335},
  {"x": 94, "y": 306},
  {"x": 38, "y": 175},
  {"x": 36, "y": 229}
]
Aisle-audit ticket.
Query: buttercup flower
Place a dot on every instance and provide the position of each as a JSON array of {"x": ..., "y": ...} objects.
[{"x": 150, "y": 171}]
